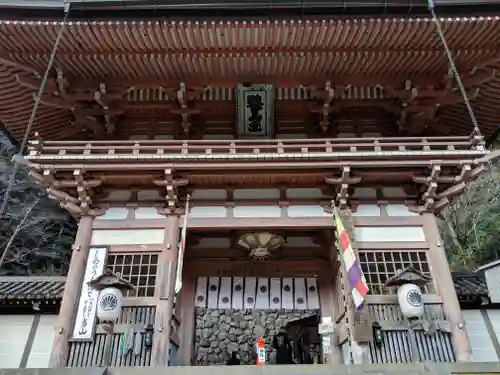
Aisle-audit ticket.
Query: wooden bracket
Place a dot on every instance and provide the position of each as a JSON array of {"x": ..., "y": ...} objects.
[
  {"x": 434, "y": 201},
  {"x": 97, "y": 118},
  {"x": 326, "y": 96},
  {"x": 416, "y": 108},
  {"x": 342, "y": 184},
  {"x": 184, "y": 97},
  {"x": 430, "y": 187},
  {"x": 105, "y": 100},
  {"x": 83, "y": 194},
  {"x": 171, "y": 185},
  {"x": 80, "y": 205}
]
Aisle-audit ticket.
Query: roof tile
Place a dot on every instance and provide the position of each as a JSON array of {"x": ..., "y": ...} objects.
[
  {"x": 32, "y": 288},
  {"x": 470, "y": 285},
  {"x": 52, "y": 288}
]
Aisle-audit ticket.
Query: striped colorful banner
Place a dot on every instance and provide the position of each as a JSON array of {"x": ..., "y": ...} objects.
[
  {"x": 355, "y": 276},
  {"x": 181, "y": 250}
]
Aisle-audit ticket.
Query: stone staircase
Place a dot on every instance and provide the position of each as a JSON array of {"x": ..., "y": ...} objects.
[
  {"x": 464, "y": 368},
  {"x": 389, "y": 369}
]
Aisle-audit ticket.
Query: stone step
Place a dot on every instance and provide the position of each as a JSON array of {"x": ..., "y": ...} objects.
[{"x": 379, "y": 369}]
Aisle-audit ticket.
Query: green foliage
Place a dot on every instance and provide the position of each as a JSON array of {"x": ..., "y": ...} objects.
[
  {"x": 470, "y": 226},
  {"x": 42, "y": 244}
]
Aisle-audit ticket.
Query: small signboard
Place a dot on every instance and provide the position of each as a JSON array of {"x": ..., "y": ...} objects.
[
  {"x": 255, "y": 111},
  {"x": 84, "y": 327}
]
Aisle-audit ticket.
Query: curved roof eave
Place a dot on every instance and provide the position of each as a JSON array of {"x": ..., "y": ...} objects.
[{"x": 41, "y": 9}]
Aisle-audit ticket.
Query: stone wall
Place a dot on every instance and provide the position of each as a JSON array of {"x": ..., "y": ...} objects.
[{"x": 220, "y": 332}]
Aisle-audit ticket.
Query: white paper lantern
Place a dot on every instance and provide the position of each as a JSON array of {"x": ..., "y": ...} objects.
[
  {"x": 109, "y": 304},
  {"x": 411, "y": 301}
]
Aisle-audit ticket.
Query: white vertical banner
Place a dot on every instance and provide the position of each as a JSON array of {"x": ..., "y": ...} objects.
[
  {"x": 84, "y": 327},
  {"x": 182, "y": 248}
]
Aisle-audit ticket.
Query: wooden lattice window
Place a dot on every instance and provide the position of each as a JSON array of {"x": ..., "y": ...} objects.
[
  {"x": 139, "y": 269},
  {"x": 379, "y": 266}
]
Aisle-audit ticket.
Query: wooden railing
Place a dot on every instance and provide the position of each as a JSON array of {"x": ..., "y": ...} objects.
[
  {"x": 201, "y": 149},
  {"x": 90, "y": 353}
]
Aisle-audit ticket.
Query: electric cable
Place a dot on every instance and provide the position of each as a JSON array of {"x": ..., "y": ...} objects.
[
  {"x": 17, "y": 159},
  {"x": 453, "y": 67}
]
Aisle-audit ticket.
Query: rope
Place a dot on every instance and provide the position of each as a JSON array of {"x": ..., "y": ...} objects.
[
  {"x": 18, "y": 157},
  {"x": 453, "y": 68}
]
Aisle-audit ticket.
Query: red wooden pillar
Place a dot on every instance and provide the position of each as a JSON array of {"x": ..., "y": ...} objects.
[
  {"x": 67, "y": 312},
  {"x": 446, "y": 289},
  {"x": 187, "y": 328},
  {"x": 164, "y": 292}
]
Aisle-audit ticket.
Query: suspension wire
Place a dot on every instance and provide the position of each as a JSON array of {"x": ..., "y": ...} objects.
[
  {"x": 453, "y": 68},
  {"x": 18, "y": 158}
]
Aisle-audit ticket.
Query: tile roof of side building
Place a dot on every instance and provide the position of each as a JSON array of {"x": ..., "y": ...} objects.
[
  {"x": 470, "y": 286},
  {"x": 20, "y": 289}
]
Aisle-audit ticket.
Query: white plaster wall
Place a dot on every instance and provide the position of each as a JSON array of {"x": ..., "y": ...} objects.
[
  {"x": 14, "y": 333},
  {"x": 42, "y": 344},
  {"x": 367, "y": 210},
  {"x": 389, "y": 234},
  {"x": 492, "y": 275},
  {"x": 127, "y": 237},
  {"x": 114, "y": 213},
  {"x": 480, "y": 341},
  {"x": 147, "y": 213},
  {"x": 257, "y": 211},
  {"x": 307, "y": 211},
  {"x": 399, "y": 210},
  {"x": 207, "y": 211},
  {"x": 494, "y": 316}
]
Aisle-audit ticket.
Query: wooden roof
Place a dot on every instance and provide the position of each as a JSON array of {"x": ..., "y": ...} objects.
[{"x": 148, "y": 58}]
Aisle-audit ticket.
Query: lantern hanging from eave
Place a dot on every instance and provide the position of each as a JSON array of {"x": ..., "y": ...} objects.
[
  {"x": 109, "y": 303},
  {"x": 410, "y": 298}
]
